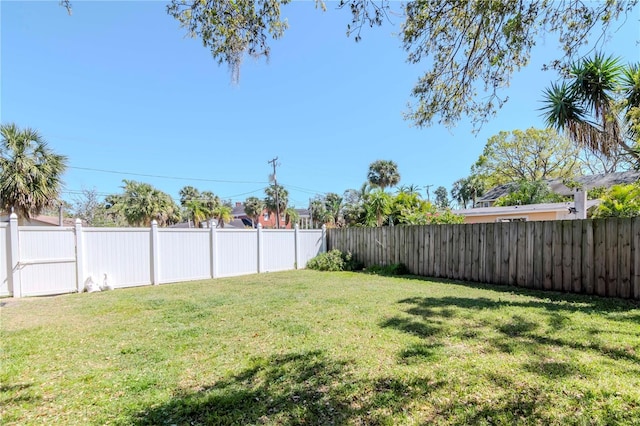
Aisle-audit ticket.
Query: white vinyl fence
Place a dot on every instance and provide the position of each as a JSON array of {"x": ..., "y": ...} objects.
[{"x": 37, "y": 260}]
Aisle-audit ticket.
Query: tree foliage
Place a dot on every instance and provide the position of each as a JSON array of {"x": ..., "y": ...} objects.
[
  {"x": 442, "y": 199},
  {"x": 596, "y": 105},
  {"x": 530, "y": 155},
  {"x": 140, "y": 203},
  {"x": 279, "y": 193},
  {"x": 467, "y": 190},
  {"x": 198, "y": 207},
  {"x": 91, "y": 208},
  {"x": 383, "y": 174},
  {"x": 468, "y": 45},
  {"x": 253, "y": 207},
  {"x": 30, "y": 172},
  {"x": 529, "y": 192},
  {"x": 620, "y": 201}
]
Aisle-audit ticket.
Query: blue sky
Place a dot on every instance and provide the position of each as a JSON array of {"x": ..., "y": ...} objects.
[{"x": 118, "y": 87}]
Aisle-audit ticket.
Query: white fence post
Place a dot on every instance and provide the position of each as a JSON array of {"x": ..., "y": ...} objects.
[
  {"x": 79, "y": 257},
  {"x": 214, "y": 250},
  {"x": 296, "y": 233},
  {"x": 324, "y": 239},
  {"x": 14, "y": 257},
  {"x": 155, "y": 267},
  {"x": 260, "y": 258}
]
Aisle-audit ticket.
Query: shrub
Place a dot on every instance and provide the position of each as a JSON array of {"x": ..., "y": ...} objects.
[{"x": 334, "y": 260}]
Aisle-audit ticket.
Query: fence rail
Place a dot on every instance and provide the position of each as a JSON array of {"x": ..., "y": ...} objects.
[
  {"x": 599, "y": 256},
  {"x": 38, "y": 260}
]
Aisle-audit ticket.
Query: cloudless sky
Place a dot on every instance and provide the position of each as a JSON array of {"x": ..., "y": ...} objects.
[{"x": 118, "y": 87}]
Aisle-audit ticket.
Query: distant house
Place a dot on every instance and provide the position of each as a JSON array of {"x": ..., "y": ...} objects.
[
  {"x": 267, "y": 219},
  {"x": 526, "y": 213},
  {"x": 43, "y": 220},
  {"x": 557, "y": 186}
]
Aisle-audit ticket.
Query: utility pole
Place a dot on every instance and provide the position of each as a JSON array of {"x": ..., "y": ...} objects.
[
  {"x": 427, "y": 188},
  {"x": 275, "y": 184}
]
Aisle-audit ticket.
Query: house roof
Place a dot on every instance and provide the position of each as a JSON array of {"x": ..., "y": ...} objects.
[
  {"x": 526, "y": 208},
  {"x": 606, "y": 180},
  {"x": 44, "y": 220}
]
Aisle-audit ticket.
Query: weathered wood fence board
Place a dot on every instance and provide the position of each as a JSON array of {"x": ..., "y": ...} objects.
[{"x": 599, "y": 256}]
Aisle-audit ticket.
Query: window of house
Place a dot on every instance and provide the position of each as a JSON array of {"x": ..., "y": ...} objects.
[
  {"x": 511, "y": 219},
  {"x": 266, "y": 215}
]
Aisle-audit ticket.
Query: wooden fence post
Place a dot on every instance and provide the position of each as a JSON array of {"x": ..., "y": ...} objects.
[
  {"x": 79, "y": 256},
  {"x": 14, "y": 257},
  {"x": 155, "y": 267}
]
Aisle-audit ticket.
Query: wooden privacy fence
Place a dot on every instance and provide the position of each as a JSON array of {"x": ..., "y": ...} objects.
[{"x": 599, "y": 256}]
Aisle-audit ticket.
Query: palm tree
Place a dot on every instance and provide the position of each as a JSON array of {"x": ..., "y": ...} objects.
[
  {"x": 30, "y": 172},
  {"x": 140, "y": 203},
  {"x": 188, "y": 193},
  {"x": 291, "y": 216},
  {"x": 196, "y": 211},
  {"x": 410, "y": 189},
  {"x": 383, "y": 174},
  {"x": 333, "y": 207},
  {"x": 222, "y": 214},
  {"x": 253, "y": 207},
  {"x": 282, "y": 195},
  {"x": 587, "y": 107}
]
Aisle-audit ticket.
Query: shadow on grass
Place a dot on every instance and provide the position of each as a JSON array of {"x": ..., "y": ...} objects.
[
  {"x": 433, "y": 318},
  {"x": 292, "y": 389},
  {"x": 552, "y": 300}
]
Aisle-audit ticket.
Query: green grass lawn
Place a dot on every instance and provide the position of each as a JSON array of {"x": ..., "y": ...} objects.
[{"x": 306, "y": 347}]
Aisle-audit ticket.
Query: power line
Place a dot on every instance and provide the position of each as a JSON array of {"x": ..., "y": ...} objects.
[{"x": 164, "y": 177}]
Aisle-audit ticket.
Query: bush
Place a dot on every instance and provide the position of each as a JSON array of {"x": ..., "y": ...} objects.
[
  {"x": 334, "y": 260},
  {"x": 393, "y": 269}
]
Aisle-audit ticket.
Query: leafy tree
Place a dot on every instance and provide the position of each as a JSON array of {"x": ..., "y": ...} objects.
[
  {"x": 30, "y": 172},
  {"x": 253, "y": 207},
  {"x": 596, "y": 105},
  {"x": 282, "y": 195},
  {"x": 531, "y": 155},
  {"x": 468, "y": 45},
  {"x": 353, "y": 211},
  {"x": 526, "y": 192},
  {"x": 91, "y": 208},
  {"x": 383, "y": 174},
  {"x": 140, "y": 203},
  {"x": 620, "y": 201},
  {"x": 407, "y": 208},
  {"x": 442, "y": 200}
]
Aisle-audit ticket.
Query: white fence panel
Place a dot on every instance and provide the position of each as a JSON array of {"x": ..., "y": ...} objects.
[
  {"x": 47, "y": 260},
  {"x": 124, "y": 254},
  {"x": 310, "y": 245},
  {"x": 236, "y": 252},
  {"x": 184, "y": 254},
  {"x": 279, "y": 250},
  {"x": 4, "y": 259}
]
